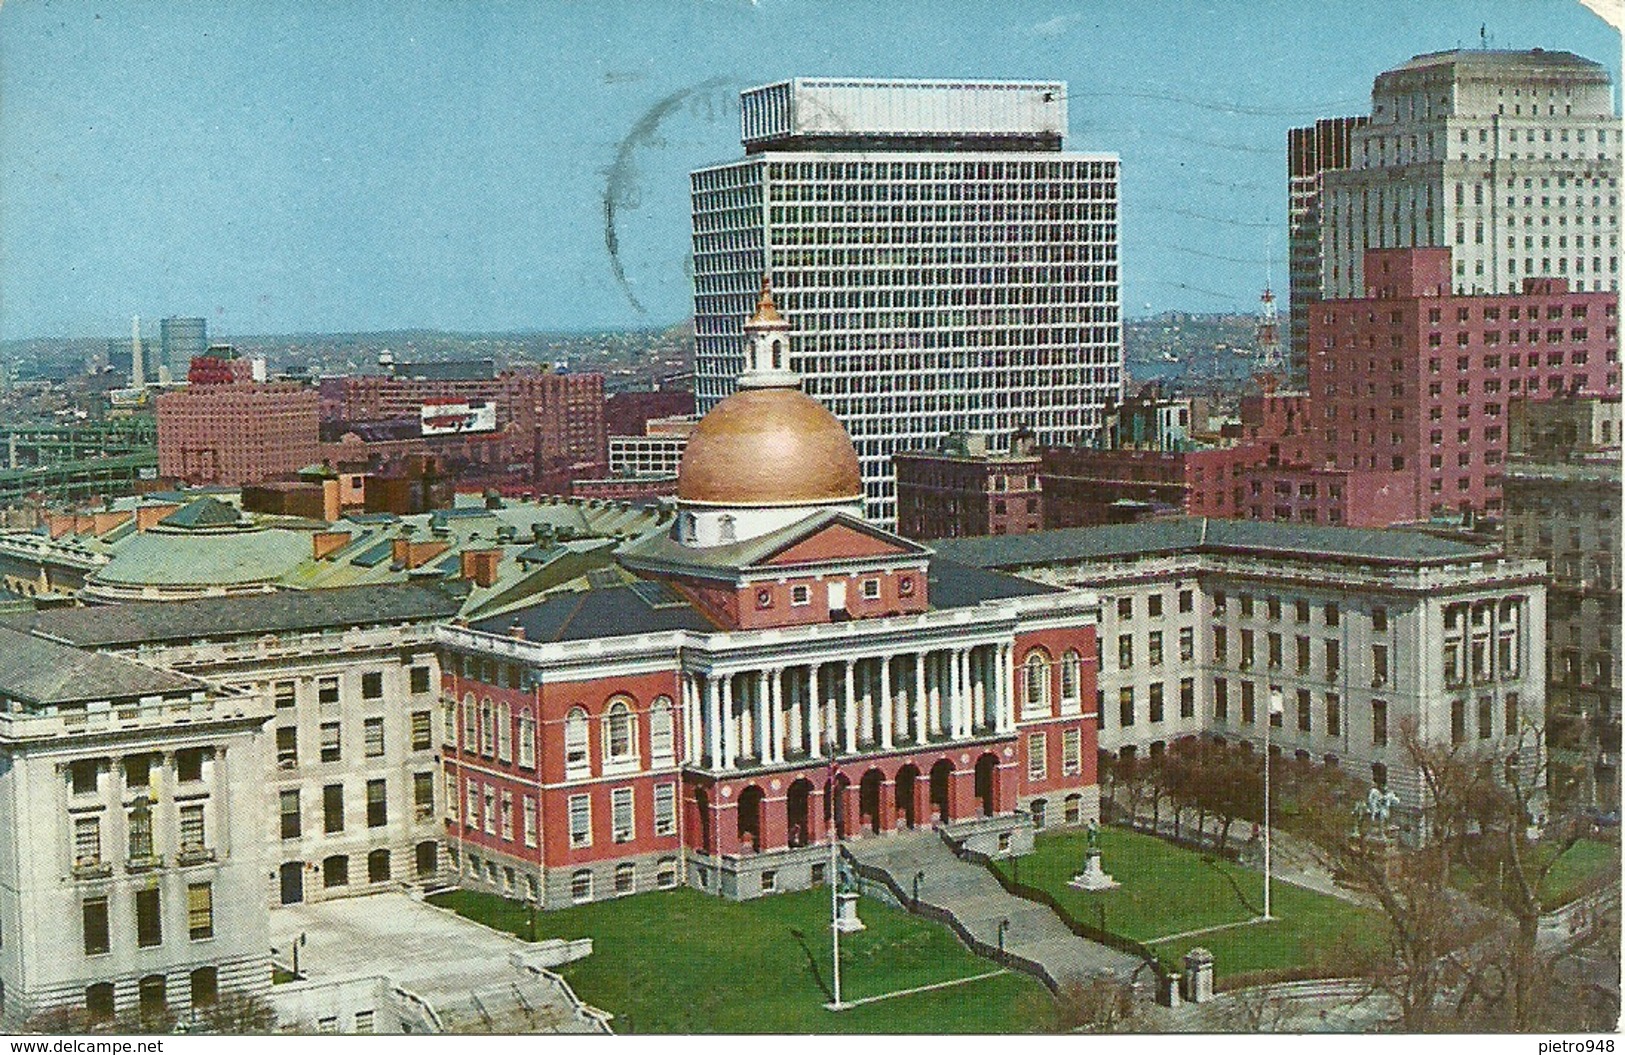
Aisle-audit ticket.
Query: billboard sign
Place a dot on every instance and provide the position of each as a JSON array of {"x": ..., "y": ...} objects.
[{"x": 456, "y": 416}]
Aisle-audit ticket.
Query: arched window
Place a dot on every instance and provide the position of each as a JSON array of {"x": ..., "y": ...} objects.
[
  {"x": 471, "y": 724},
  {"x": 488, "y": 729},
  {"x": 620, "y": 732},
  {"x": 1037, "y": 670},
  {"x": 527, "y": 739},
  {"x": 777, "y": 351},
  {"x": 581, "y": 886},
  {"x": 575, "y": 739},
  {"x": 504, "y": 732},
  {"x": 726, "y": 528},
  {"x": 205, "y": 988},
  {"x": 1070, "y": 669},
  {"x": 689, "y": 522},
  {"x": 661, "y": 744}
]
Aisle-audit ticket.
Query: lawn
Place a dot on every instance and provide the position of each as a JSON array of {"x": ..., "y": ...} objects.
[
  {"x": 1577, "y": 871},
  {"x": 1169, "y": 890},
  {"x": 682, "y": 962}
]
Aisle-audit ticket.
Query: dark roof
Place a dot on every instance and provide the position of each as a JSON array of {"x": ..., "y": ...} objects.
[
  {"x": 581, "y": 615},
  {"x": 1194, "y": 534},
  {"x": 204, "y": 512},
  {"x": 37, "y": 671},
  {"x": 219, "y": 617},
  {"x": 962, "y": 586},
  {"x": 1499, "y": 57}
]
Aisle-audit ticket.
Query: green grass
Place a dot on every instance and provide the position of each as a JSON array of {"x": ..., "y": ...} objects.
[
  {"x": 682, "y": 962},
  {"x": 1578, "y": 870},
  {"x": 1168, "y": 890}
]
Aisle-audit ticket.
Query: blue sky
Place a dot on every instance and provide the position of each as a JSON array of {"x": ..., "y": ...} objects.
[{"x": 337, "y": 165}]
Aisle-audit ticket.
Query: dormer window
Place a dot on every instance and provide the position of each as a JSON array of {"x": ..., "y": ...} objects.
[
  {"x": 764, "y": 598},
  {"x": 871, "y": 589}
]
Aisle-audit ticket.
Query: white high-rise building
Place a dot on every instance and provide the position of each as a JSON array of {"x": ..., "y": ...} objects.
[
  {"x": 945, "y": 265},
  {"x": 1510, "y": 158}
]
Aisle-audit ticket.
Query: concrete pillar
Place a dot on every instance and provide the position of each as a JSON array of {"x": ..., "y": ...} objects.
[
  {"x": 730, "y": 726},
  {"x": 919, "y": 698},
  {"x": 775, "y": 710},
  {"x": 956, "y": 687},
  {"x": 761, "y": 717},
  {"x": 713, "y": 717},
  {"x": 887, "y": 718},
  {"x": 815, "y": 713},
  {"x": 797, "y": 730},
  {"x": 851, "y": 709}
]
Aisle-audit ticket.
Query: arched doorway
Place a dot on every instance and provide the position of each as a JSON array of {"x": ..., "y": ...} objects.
[
  {"x": 907, "y": 778},
  {"x": 942, "y": 784},
  {"x": 750, "y": 819},
  {"x": 293, "y": 882},
  {"x": 798, "y": 815},
  {"x": 987, "y": 782},
  {"x": 869, "y": 799}
]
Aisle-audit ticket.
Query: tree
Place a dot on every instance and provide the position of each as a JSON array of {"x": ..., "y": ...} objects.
[
  {"x": 1098, "y": 1005},
  {"x": 237, "y": 1012}
]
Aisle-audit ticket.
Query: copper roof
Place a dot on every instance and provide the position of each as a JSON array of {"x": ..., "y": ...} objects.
[
  {"x": 767, "y": 313},
  {"x": 769, "y": 446}
]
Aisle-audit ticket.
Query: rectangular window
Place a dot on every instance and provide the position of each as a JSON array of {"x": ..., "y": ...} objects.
[
  {"x": 331, "y": 750},
  {"x": 1153, "y": 606},
  {"x": 1037, "y": 756},
  {"x": 93, "y": 911},
  {"x": 529, "y": 820},
  {"x": 1125, "y": 651},
  {"x": 287, "y": 746},
  {"x": 1125, "y": 706},
  {"x": 1221, "y": 700},
  {"x": 1071, "y": 752},
  {"x": 1458, "y": 721},
  {"x": 621, "y": 819},
  {"x": 1153, "y": 648},
  {"x": 471, "y": 804},
  {"x": 1186, "y": 600},
  {"x": 1248, "y": 710},
  {"x": 333, "y": 808},
  {"x": 1246, "y": 605},
  {"x": 1334, "y": 659},
  {"x": 1247, "y": 650},
  {"x": 1334, "y": 715},
  {"x": 452, "y": 797},
  {"x": 136, "y": 769},
  {"x": 1187, "y": 643},
  {"x": 1303, "y": 654},
  {"x": 372, "y": 737},
  {"x": 800, "y": 595},
  {"x": 665, "y": 809},
  {"x": 1379, "y": 723},
  {"x": 1379, "y": 620},
  {"x": 1220, "y": 643},
  {"x": 420, "y": 680},
  {"x": 580, "y": 820},
  {"x": 1304, "y": 704},
  {"x": 422, "y": 731},
  {"x": 139, "y": 832},
  {"x": 149, "y": 923},
  {"x": 1187, "y": 697},
  {"x": 199, "y": 911},
  {"x": 283, "y": 693},
  {"x": 527, "y": 741},
  {"x": 489, "y": 813},
  {"x": 87, "y": 841},
  {"x": 1331, "y": 614},
  {"x": 1300, "y": 610},
  {"x": 1155, "y": 702},
  {"x": 1486, "y": 717},
  {"x": 1125, "y": 608},
  {"x": 1379, "y": 665},
  {"x": 327, "y": 691},
  {"x": 86, "y": 776},
  {"x": 192, "y": 834},
  {"x": 1511, "y": 713},
  {"x": 505, "y": 819},
  {"x": 372, "y": 685},
  {"x": 288, "y": 807}
]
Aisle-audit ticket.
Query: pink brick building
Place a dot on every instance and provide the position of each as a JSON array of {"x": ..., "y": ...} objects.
[{"x": 237, "y": 433}]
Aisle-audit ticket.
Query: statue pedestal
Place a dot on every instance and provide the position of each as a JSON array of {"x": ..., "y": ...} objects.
[
  {"x": 846, "y": 919},
  {"x": 1093, "y": 877}
]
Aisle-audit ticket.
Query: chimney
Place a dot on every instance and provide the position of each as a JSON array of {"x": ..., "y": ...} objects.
[
  {"x": 324, "y": 542},
  {"x": 516, "y": 631},
  {"x": 480, "y": 565}
]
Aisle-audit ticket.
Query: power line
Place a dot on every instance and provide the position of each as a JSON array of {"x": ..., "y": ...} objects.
[
  {"x": 1222, "y": 106},
  {"x": 1198, "y": 289},
  {"x": 1191, "y": 214},
  {"x": 1205, "y": 255}
]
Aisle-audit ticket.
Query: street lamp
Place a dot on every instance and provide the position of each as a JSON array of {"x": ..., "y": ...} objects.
[
  {"x": 1269, "y": 720},
  {"x": 919, "y": 877},
  {"x": 1004, "y": 925}
]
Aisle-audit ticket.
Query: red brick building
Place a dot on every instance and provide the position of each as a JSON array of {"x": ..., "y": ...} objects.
[
  {"x": 626, "y": 413},
  {"x": 963, "y": 488},
  {"x": 1414, "y": 379},
  {"x": 778, "y": 669},
  {"x": 237, "y": 433}
]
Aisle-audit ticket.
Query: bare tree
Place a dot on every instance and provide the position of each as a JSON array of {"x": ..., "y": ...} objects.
[{"x": 1099, "y": 1005}]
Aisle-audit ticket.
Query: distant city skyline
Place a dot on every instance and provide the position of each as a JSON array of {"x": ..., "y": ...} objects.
[{"x": 304, "y": 168}]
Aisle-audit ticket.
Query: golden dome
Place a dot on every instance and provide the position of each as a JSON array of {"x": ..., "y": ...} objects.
[{"x": 768, "y": 447}]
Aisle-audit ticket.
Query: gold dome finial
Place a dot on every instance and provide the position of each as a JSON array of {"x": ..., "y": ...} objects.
[{"x": 767, "y": 313}]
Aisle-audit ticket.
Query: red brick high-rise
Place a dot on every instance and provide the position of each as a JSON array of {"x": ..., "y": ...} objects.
[
  {"x": 236, "y": 433},
  {"x": 1412, "y": 378}
]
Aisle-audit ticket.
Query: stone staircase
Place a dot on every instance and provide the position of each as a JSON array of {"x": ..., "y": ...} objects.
[
  {"x": 506, "y": 1007},
  {"x": 969, "y": 899}
]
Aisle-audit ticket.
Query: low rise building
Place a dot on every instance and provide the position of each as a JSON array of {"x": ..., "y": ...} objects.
[{"x": 964, "y": 487}]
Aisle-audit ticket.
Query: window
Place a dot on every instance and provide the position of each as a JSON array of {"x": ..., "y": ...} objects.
[
  {"x": 1511, "y": 706},
  {"x": 423, "y": 795},
  {"x": 800, "y": 595},
  {"x": 661, "y": 739},
  {"x": 1247, "y": 650},
  {"x": 620, "y": 733},
  {"x": 527, "y": 740},
  {"x": 1273, "y": 643},
  {"x": 189, "y": 765},
  {"x": 1273, "y": 606},
  {"x": 504, "y": 732},
  {"x": 1125, "y": 705},
  {"x": 199, "y": 911},
  {"x": 1379, "y": 664},
  {"x": 666, "y": 873},
  {"x": 489, "y": 813},
  {"x": 363, "y": 1021},
  {"x": 422, "y": 731},
  {"x": 581, "y": 886},
  {"x": 87, "y": 842},
  {"x": 1246, "y": 606},
  {"x": 192, "y": 834},
  {"x": 488, "y": 729},
  {"x": 327, "y": 691},
  {"x": 1486, "y": 717},
  {"x": 1037, "y": 756},
  {"x": 333, "y": 808},
  {"x": 136, "y": 770},
  {"x": 149, "y": 926},
  {"x": 288, "y": 805},
  {"x": 1379, "y": 620},
  {"x": 99, "y": 1002},
  {"x": 1071, "y": 752},
  {"x": 1331, "y": 614},
  {"x": 1218, "y": 602},
  {"x": 1187, "y": 697},
  {"x": 283, "y": 693},
  {"x": 622, "y": 827},
  {"x": 1304, "y": 704},
  {"x": 1379, "y": 723},
  {"x": 1334, "y": 659},
  {"x": 1153, "y": 606},
  {"x": 1153, "y": 648},
  {"x": 372, "y": 737},
  {"x": 86, "y": 776},
  {"x": 1300, "y": 610},
  {"x": 1248, "y": 710},
  {"x": 93, "y": 913},
  {"x": 1221, "y": 700},
  {"x": 665, "y": 809},
  {"x": 287, "y": 746},
  {"x": 626, "y": 878},
  {"x": 871, "y": 589},
  {"x": 372, "y": 685},
  {"x": 1155, "y": 701},
  {"x": 139, "y": 832},
  {"x": 377, "y": 805},
  {"x": 419, "y": 679},
  {"x": 575, "y": 740},
  {"x": 1037, "y": 676},
  {"x": 471, "y": 724},
  {"x": 1125, "y": 608},
  {"x": 1071, "y": 665},
  {"x": 1220, "y": 644},
  {"x": 378, "y": 866},
  {"x": 1125, "y": 651},
  {"x": 1186, "y": 600},
  {"x": 1458, "y": 721},
  {"x": 528, "y": 820},
  {"x": 336, "y": 871},
  {"x": 331, "y": 749},
  {"x": 471, "y": 804},
  {"x": 1187, "y": 643},
  {"x": 580, "y": 821}
]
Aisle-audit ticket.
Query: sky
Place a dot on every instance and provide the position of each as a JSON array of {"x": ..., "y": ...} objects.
[{"x": 304, "y": 166}]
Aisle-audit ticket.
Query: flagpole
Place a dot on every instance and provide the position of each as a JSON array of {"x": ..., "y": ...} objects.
[
  {"x": 1269, "y": 720},
  {"x": 833, "y": 797}
]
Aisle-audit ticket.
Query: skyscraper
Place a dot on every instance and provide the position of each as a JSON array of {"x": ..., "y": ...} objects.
[
  {"x": 1509, "y": 158},
  {"x": 179, "y": 339},
  {"x": 945, "y": 265},
  {"x": 1310, "y": 153}
]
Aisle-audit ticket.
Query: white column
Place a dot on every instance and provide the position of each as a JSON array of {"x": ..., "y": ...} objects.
[
  {"x": 815, "y": 713},
  {"x": 978, "y": 689},
  {"x": 797, "y": 731},
  {"x": 730, "y": 727},
  {"x": 775, "y": 710},
  {"x": 955, "y": 688},
  {"x": 713, "y": 720},
  {"x": 886, "y": 717},
  {"x": 934, "y": 695},
  {"x": 1005, "y": 709},
  {"x": 761, "y": 717},
  {"x": 919, "y": 698},
  {"x": 851, "y": 709}
]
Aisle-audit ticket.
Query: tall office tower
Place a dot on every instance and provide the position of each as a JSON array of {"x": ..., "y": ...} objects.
[
  {"x": 945, "y": 265},
  {"x": 1310, "y": 153},
  {"x": 179, "y": 341},
  {"x": 1509, "y": 158}
]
